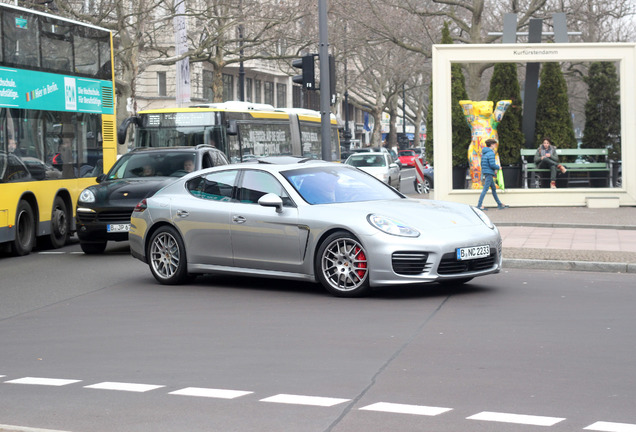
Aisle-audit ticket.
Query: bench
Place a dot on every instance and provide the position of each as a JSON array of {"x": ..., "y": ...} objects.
[{"x": 578, "y": 171}]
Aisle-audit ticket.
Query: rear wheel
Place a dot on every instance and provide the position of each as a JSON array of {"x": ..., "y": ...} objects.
[
  {"x": 167, "y": 257},
  {"x": 24, "y": 230},
  {"x": 60, "y": 224},
  {"x": 341, "y": 265},
  {"x": 93, "y": 248}
]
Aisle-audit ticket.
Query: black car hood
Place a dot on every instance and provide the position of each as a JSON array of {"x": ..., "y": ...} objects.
[{"x": 128, "y": 192}]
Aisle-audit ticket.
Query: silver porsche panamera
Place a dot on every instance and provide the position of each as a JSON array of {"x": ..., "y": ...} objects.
[{"x": 294, "y": 218}]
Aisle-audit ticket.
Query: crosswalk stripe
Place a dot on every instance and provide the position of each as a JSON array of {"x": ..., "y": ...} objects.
[
  {"x": 43, "y": 381},
  {"x": 304, "y": 400},
  {"x": 140, "y": 388},
  {"x": 602, "y": 426},
  {"x": 516, "y": 418},
  {"x": 211, "y": 393},
  {"x": 406, "y": 409}
]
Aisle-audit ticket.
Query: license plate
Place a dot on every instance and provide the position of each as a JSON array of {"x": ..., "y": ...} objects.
[
  {"x": 118, "y": 227},
  {"x": 473, "y": 252}
]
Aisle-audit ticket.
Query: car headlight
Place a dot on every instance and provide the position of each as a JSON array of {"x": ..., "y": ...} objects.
[
  {"x": 391, "y": 226},
  {"x": 485, "y": 219},
  {"x": 87, "y": 196}
]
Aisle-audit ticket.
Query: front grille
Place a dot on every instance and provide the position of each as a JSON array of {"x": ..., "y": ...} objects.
[
  {"x": 450, "y": 265},
  {"x": 409, "y": 263},
  {"x": 119, "y": 216}
]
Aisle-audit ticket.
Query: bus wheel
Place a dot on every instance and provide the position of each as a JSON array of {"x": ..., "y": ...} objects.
[
  {"x": 93, "y": 248},
  {"x": 24, "y": 230},
  {"x": 60, "y": 224}
]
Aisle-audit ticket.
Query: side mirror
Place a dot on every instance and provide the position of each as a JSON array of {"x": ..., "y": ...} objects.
[
  {"x": 122, "y": 131},
  {"x": 232, "y": 127},
  {"x": 100, "y": 178},
  {"x": 271, "y": 200}
]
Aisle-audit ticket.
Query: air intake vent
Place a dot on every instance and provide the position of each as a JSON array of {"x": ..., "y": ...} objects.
[
  {"x": 409, "y": 263},
  {"x": 108, "y": 130},
  {"x": 450, "y": 265},
  {"x": 108, "y": 101}
]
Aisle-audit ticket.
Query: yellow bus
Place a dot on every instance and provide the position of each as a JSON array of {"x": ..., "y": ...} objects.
[
  {"x": 57, "y": 123},
  {"x": 242, "y": 130}
]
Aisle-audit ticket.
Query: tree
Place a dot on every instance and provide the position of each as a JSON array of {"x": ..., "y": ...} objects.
[
  {"x": 553, "y": 111},
  {"x": 461, "y": 136},
  {"x": 602, "y": 110},
  {"x": 504, "y": 85}
]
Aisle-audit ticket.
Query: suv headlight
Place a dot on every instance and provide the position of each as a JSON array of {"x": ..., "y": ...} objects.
[
  {"x": 87, "y": 196},
  {"x": 391, "y": 226}
]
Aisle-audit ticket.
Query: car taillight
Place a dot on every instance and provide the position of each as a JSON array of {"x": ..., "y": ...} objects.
[{"x": 141, "y": 206}]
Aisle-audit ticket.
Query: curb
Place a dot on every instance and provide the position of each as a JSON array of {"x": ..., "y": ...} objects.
[{"x": 606, "y": 267}]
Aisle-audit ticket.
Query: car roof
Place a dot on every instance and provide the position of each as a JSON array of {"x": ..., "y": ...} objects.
[
  {"x": 173, "y": 149},
  {"x": 365, "y": 154}
]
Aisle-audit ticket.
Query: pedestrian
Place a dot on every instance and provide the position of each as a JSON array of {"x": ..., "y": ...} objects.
[
  {"x": 488, "y": 170},
  {"x": 546, "y": 158}
]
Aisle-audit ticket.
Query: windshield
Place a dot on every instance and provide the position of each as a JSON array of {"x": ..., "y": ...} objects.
[
  {"x": 338, "y": 184},
  {"x": 370, "y": 160},
  {"x": 134, "y": 165}
]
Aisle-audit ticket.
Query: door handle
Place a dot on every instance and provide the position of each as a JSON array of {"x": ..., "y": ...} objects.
[
  {"x": 182, "y": 213},
  {"x": 238, "y": 219}
]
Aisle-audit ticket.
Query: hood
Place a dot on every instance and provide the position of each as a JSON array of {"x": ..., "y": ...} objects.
[
  {"x": 420, "y": 214},
  {"x": 124, "y": 192}
]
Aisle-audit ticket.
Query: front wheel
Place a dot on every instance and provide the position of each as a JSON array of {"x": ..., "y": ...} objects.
[
  {"x": 167, "y": 257},
  {"x": 341, "y": 265}
]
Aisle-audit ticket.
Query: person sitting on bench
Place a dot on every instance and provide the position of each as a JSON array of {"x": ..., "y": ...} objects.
[{"x": 546, "y": 157}]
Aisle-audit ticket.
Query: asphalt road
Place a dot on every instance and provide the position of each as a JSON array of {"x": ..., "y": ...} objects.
[{"x": 94, "y": 344}]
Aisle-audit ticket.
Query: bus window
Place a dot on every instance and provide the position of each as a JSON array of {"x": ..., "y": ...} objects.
[
  {"x": 20, "y": 39},
  {"x": 264, "y": 139}
]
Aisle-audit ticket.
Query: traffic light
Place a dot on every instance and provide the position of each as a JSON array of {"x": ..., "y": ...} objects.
[{"x": 307, "y": 79}]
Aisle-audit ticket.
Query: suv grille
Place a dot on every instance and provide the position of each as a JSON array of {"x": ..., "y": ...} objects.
[
  {"x": 115, "y": 216},
  {"x": 409, "y": 263},
  {"x": 450, "y": 264}
]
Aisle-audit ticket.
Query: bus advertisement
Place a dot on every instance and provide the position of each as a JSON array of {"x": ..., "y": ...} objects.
[
  {"x": 57, "y": 123},
  {"x": 242, "y": 130}
]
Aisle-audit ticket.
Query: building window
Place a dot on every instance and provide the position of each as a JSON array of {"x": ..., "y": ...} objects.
[
  {"x": 248, "y": 89},
  {"x": 268, "y": 91},
  {"x": 257, "y": 91},
  {"x": 161, "y": 84},
  {"x": 208, "y": 93},
  {"x": 228, "y": 87},
  {"x": 281, "y": 95}
]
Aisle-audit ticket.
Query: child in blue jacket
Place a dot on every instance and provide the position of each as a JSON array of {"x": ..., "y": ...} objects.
[{"x": 488, "y": 168}]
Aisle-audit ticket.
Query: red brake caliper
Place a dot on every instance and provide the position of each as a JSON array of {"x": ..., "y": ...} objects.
[{"x": 363, "y": 265}]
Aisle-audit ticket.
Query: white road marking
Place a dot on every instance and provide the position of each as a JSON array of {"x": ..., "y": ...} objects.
[
  {"x": 516, "y": 418},
  {"x": 11, "y": 428},
  {"x": 211, "y": 393},
  {"x": 43, "y": 381},
  {"x": 304, "y": 400},
  {"x": 406, "y": 409},
  {"x": 611, "y": 427},
  {"x": 124, "y": 386},
  {"x": 51, "y": 253}
]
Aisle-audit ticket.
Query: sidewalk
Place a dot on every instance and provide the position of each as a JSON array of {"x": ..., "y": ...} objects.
[{"x": 567, "y": 238}]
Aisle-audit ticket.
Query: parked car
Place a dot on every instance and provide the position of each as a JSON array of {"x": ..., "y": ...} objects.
[
  {"x": 103, "y": 210},
  {"x": 426, "y": 185},
  {"x": 382, "y": 149},
  {"x": 309, "y": 220},
  {"x": 407, "y": 157},
  {"x": 379, "y": 165}
]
